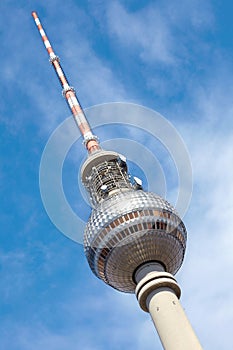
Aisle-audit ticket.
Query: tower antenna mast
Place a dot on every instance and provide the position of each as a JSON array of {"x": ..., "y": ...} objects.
[{"x": 90, "y": 140}]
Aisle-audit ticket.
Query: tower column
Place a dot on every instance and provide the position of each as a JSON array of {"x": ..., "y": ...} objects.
[{"x": 158, "y": 293}]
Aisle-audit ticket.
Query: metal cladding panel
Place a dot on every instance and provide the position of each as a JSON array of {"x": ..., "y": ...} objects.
[{"x": 129, "y": 229}]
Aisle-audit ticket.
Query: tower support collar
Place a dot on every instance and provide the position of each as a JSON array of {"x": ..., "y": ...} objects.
[{"x": 153, "y": 282}]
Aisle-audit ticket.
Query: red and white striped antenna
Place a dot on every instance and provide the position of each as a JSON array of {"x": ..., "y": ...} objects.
[{"x": 90, "y": 140}]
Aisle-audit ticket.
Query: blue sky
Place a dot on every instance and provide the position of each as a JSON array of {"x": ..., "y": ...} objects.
[{"x": 173, "y": 58}]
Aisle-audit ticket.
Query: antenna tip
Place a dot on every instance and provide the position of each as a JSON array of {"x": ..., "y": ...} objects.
[{"x": 34, "y": 14}]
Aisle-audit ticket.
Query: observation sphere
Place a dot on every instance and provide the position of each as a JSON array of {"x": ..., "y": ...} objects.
[{"x": 128, "y": 229}]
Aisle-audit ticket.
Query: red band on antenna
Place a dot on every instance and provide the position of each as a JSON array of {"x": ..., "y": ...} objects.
[{"x": 90, "y": 140}]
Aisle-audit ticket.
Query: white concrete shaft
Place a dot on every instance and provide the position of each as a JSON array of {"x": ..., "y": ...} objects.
[
  {"x": 172, "y": 325},
  {"x": 158, "y": 293}
]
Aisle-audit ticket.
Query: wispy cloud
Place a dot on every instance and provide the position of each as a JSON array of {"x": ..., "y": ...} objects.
[
  {"x": 155, "y": 31},
  {"x": 209, "y": 259},
  {"x": 144, "y": 31}
]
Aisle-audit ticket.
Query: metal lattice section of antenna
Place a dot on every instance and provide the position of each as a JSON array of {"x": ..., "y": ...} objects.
[{"x": 90, "y": 140}]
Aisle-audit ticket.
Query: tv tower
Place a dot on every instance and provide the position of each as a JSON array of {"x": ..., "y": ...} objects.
[{"x": 134, "y": 240}]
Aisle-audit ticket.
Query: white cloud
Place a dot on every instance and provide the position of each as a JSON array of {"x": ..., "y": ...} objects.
[
  {"x": 145, "y": 30},
  {"x": 15, "y": 276},
  {"x": 97, "y": 79},
  {"x": 209, "y": 262},
  {"x": 24, "y": 337},
  {"x": 159, "y": 32}
]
